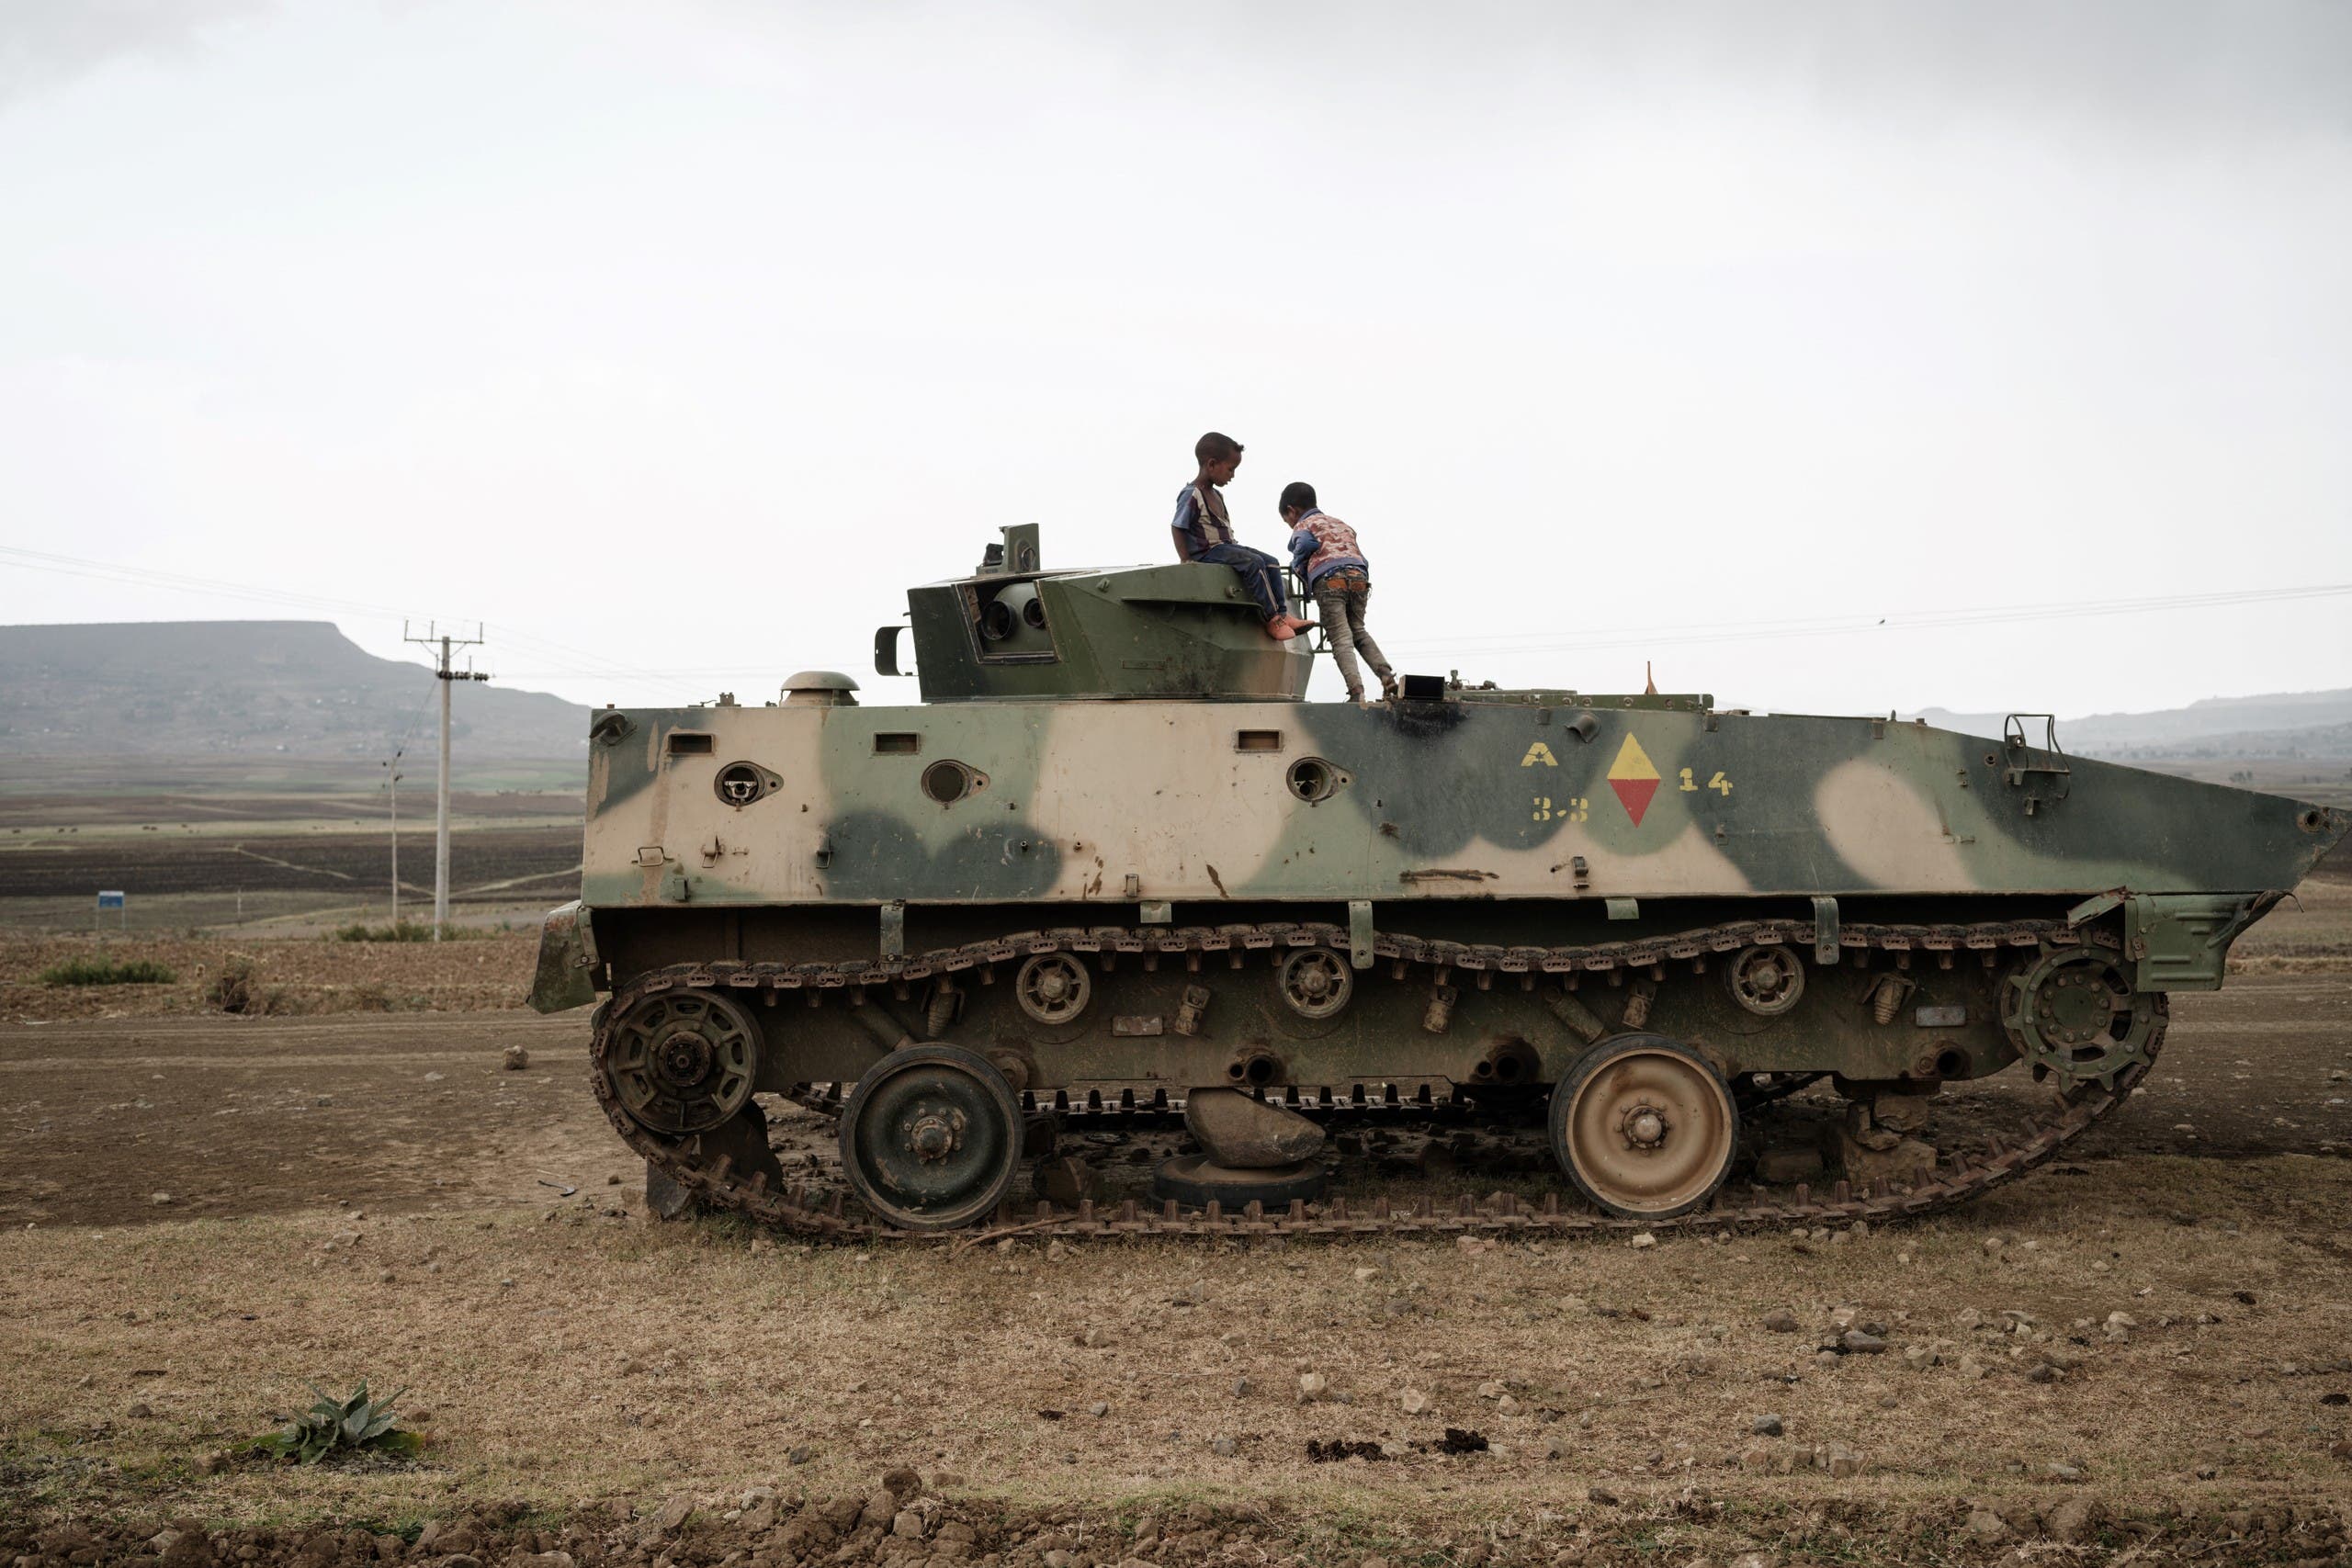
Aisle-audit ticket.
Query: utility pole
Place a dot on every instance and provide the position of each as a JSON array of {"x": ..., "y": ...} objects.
[
  {"x": 445, "y": 674},
  {"x": 392, "y": 783}
]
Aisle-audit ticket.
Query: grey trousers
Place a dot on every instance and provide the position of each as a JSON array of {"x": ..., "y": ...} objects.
[{"x": 1342, "y": 604}]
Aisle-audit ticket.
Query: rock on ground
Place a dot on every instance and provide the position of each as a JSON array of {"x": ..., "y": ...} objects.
[{"x": 1242, "y": 1132}]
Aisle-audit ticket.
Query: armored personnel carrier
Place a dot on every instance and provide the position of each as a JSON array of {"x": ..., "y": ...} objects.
[{"x": 1113, "y": 865}]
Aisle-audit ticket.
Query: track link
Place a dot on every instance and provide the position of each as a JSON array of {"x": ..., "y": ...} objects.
[{"x": 1961, "y": 1174}]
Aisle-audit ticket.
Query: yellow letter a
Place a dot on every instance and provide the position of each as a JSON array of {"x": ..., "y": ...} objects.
[{"x": 1539, "y": 753}]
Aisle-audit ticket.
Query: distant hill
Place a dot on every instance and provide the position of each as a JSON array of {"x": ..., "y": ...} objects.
[
  {"x": 2286, "y": 724},
  {"x": 217, "y": 688}
]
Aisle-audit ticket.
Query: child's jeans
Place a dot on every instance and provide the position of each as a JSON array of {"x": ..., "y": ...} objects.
[{"x": 1341, "y": 597}]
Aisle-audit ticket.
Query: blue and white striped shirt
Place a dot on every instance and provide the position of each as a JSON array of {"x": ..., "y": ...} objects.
[{"x": 1202, "y": 527}]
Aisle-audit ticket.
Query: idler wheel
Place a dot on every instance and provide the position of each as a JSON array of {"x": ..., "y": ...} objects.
[
  {"x": 682, "y": 1061},
  {"x": 1644, "y": 1126},
  {"x": 1053, "y": 988},
  {"x": 931, "y": 1138},
  {"x": 1194, "y": 1181}
]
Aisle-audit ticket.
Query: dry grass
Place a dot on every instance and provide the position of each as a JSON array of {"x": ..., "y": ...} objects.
[
  {"x": 574, "y": 1357},
  {"x": 2310, "y": 934},
  {"x": 309, "y": 975}
]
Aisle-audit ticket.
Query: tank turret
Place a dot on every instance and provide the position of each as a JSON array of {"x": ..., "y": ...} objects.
[{"x": 1016, "y": 632}]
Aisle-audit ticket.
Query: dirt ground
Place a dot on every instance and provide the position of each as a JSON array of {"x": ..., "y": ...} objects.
[{"x": 364, "y": 1195}]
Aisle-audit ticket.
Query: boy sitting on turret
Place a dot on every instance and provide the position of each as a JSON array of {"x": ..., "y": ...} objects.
[
  {"x": 1324, "y": 552},
  {"x": 1204, "y": 533}
]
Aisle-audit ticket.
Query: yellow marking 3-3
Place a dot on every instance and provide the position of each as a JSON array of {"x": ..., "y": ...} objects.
[{"x": 1575, "y": 808}]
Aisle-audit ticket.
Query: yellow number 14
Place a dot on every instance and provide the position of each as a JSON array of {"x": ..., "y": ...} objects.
[{"x": 1719, "y": 783}]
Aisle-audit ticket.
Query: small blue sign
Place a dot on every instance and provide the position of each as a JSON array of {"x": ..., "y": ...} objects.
[{"x": 110, "y": 899}]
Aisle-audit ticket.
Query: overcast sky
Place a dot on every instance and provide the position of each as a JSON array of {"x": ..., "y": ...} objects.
[{"x": 673, "y": 339}]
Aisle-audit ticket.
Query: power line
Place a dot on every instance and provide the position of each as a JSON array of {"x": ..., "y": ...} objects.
[
  {"x": 1738, "y": 631},
  {"x": 408, "y": 730},
  {"x": 1832, "y": 625},
  {"x": 108, "y": 572},
  {"x": 580, "y": 663},
  {"x": 599, "y": 666}
]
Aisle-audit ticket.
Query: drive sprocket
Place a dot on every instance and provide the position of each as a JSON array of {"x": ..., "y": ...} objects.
[
  {"x": 682, "y": 1060},
  {"x": 2074, "y": 1015}
]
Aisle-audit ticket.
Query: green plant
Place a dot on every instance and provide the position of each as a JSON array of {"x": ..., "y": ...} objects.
[
  {"x": 399, "y": 930},
  {"x": 405, "y": 930},
  {"x": 104, "y": 971},
  {"x": 355, "y": 1423}
]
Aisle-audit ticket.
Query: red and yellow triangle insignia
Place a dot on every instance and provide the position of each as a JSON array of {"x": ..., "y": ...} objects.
[{"x": 1633, "y": 779}]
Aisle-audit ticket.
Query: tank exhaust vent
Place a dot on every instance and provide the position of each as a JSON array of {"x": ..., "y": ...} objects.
[{"x": 820, "y": 688}]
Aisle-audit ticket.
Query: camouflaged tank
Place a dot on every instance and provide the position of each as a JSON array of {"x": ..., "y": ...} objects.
[{"x": 1114, "y": 861}]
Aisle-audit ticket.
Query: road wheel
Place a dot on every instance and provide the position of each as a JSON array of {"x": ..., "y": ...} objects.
[
  {"x": 931, "y": 1138},
  {"x": 1644, "y": 1126}
]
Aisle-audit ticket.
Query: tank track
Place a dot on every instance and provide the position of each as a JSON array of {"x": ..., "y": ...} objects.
[{"x": 1961, "y": 1174}]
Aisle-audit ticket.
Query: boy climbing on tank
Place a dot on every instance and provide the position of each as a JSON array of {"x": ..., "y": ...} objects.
[
  {"x": 1324, "y": 552},
  {"x": 1204, "y": 533}
]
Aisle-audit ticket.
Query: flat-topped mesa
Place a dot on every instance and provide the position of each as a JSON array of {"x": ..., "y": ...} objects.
[{"x": 1015, "y": 632}]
